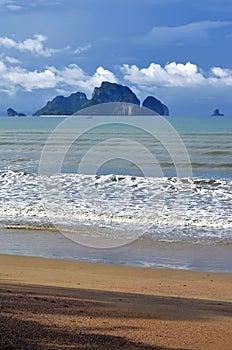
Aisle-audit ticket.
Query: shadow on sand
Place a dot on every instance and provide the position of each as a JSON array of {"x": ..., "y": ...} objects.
[{"x": 47, "y": 318}]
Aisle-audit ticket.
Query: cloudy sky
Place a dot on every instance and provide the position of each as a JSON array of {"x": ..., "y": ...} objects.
[{"x": 177, "y": 50}]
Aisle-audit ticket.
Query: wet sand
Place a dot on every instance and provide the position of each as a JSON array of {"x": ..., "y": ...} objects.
[
  {"x": 54, "y": 304},
  {"x": 142, "y": 253}
]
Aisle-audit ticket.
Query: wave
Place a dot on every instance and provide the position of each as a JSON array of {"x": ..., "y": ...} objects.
[{"x": 188, "y": 208}]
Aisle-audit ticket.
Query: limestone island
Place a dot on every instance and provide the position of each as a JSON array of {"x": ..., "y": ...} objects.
[{"x": 106, "y": 93}]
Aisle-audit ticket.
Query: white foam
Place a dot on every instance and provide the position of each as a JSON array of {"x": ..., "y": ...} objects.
[{"x": 120, "y": 203}]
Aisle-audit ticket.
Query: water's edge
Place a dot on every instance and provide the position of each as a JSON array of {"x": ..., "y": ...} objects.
[{"x": 141, "y": 253}]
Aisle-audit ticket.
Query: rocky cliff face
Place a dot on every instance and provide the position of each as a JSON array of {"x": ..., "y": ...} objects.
[
  {"x": 121, "y": 100},
  {"x": 111, "y": 92},
  {"x": 61, "y": 105},
  {"x": 166, "y": 110},
  {"x": 155, "y": 105}
]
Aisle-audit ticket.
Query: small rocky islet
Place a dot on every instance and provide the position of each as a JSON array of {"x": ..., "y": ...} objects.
[
  {"x": 12, "y": 113},
  {"x": 217, "y": 113}
]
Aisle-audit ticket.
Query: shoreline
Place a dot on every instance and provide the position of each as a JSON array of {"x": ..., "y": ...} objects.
[
  {"x": 39, "y": 271},
  {"x": 205, "y": 257},
  {"x": 56, "y": 304}
]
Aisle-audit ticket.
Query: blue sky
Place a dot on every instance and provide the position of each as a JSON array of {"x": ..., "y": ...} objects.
[{"x": 177, "y": 50}]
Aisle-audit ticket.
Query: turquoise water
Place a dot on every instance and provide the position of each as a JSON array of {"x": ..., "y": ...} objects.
[
  {"x": 208, "y": 141},
  {"x": 119, "y": 191}
]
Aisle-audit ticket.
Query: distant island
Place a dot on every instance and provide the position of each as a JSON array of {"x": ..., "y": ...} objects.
[
  {"x": 217, "y": 113},
  {"x": 106, "y": 93},
  {"x": 112, "y": 99},
  {"x": 12, "y": 113}
]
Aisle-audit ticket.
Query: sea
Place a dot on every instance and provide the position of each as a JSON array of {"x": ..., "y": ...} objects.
[{"x": 145, "y": 191}]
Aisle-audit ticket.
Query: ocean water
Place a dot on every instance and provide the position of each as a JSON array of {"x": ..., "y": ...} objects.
[{"x": 97, "y": 176}]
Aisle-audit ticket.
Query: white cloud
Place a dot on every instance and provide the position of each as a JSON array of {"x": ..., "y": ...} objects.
[
  {"x": 81, "y": 49},
  {"x": 180, "y": 34},
  {"x": 221, "y": 76},
  {"x": 10, "y": 5},
  {"x": 176, "y": 75},
  {"x": 35, "y": 45},
  {"x": 169, "y": 82},
  {"x": 45, "y": 3},
  {"x": 13, "y": 5},
  {"x": 182, "y": 86},
  {"x": 13, "y": 78},
  {"x": 12, "y": 60},
  {"x": 32, "y": 80},
  {"x": 74, "y": 76},
  {"x": 172, "y": 74}
]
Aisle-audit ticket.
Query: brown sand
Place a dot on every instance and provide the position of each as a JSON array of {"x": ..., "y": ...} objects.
[{"x": 53, "y": 304}]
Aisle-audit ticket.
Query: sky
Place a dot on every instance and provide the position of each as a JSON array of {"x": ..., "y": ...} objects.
[{"x": 176, "y": 50}]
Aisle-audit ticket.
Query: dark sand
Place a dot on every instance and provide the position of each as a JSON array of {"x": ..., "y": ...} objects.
[{"x": 54, "y": 304}]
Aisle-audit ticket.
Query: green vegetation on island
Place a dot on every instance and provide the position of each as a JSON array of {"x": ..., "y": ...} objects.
[
  {"x": 106, "y": 93},
  {"x": 61, "y": 105}
]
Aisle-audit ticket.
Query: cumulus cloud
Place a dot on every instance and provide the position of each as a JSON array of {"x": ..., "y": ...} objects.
[
  {"x": 34, "y": 45},
  {"x": 74, "y": 76},
  {"x": 221, "y": 76},
  {"x": 181, "y": 85},
  {"x": 176, "y": 75},
  {"x": 171, "y": 78},
  {"x": 14, "y": 78},
  {"x": 32, "y": 80},
  {"x": 180, "y": 34}
]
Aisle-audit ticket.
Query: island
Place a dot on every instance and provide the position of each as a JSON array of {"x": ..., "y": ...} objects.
[
  {"x": 12, "y": 113},
  {"x": 155, "y": 105},
  {"x": 106, "y": 93},
  {"x": 217, "y": 113},
  {"x": 61, "y": 105}
]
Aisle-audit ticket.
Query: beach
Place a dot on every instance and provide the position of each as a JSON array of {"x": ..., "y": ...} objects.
[
  {"x": 115, "y": 175},
  {"x": 107, "y": 258},
  {"x": 57, "y": 304}
]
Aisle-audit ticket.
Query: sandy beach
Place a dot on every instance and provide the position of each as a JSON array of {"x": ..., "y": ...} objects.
[{"x": 55, "y": 304}]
